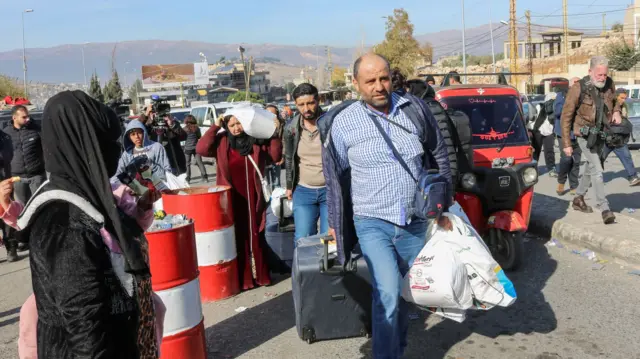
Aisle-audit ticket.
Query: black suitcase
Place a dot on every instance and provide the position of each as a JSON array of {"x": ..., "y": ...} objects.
[
  {"x": 279, "y": 235},
  {"x": 331, "y": 301}
]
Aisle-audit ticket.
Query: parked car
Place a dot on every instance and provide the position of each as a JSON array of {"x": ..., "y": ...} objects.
[
  {"x": 180, "y": 113},
  {"x": 207, "y": 114},
  {"x": 634, "y": 118}
]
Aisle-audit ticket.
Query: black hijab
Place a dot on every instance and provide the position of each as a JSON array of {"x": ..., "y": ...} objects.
[
  {"x": 242, "y": 143},
  {"x": 80, "y": 144}
]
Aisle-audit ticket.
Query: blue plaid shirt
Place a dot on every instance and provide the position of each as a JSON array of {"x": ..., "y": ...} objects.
[{"x": 380, "y": 187}]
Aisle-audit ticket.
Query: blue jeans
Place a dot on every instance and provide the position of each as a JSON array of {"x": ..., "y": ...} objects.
[
  {"x": 624, "y": 155},
  {"x": 309, "y": 204},
  {"x": 389, "y": 251}
]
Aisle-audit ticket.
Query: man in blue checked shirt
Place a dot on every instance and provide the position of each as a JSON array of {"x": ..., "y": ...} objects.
[{"x": 357, "y": 160}]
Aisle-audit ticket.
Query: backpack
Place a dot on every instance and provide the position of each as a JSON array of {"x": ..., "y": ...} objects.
[
  {"x": 618, "y": 135},
  {"x": 458, "y": 160}
]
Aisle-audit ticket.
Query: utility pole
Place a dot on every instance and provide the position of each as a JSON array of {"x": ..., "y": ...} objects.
[
  {"x": 529, "y": 49},
  {"x": 513, "y": 38},
  {"x": 464, "y": 45},
  {"x": 604, "y": 24},
  {"x": 566, "y": 35},
  {"x": 329, "y": 66},
  {"x": 493, "y": 50}
]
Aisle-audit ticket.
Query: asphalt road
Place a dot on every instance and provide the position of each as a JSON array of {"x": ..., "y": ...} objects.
[{"x": 565, "y": 309}]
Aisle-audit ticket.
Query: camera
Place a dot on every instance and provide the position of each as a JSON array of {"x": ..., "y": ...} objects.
[
  {"x": 161, "y": 108},
  {"x": 121, "y": 108}
]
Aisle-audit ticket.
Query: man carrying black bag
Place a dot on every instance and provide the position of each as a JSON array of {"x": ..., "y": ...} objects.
[{"x": 590, "y": 103}]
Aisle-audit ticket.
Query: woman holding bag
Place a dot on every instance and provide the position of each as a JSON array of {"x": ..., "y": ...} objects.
[{"x": 240, "y": 164}]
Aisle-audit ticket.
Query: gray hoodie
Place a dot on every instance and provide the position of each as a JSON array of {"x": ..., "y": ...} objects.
[{"x": 153, "y": 150}]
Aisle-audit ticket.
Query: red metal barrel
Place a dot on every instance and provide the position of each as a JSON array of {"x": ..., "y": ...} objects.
[
  {"x": 210, "y": 208},
  {"x": 174, "y": 278}
]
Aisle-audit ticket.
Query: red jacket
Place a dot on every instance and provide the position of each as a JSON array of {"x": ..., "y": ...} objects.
[{"x": 216, "y": 145}]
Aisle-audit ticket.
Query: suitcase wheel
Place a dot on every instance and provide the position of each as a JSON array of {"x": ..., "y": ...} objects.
[{"x": 308, "y": 335}]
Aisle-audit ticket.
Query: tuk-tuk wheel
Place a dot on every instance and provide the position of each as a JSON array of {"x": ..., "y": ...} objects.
[{"x": 508, "y": 248}]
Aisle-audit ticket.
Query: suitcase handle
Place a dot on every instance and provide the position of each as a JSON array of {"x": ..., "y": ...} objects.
[{"x": 328, "y": 268}]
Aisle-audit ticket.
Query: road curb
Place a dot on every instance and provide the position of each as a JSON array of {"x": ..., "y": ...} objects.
[{"x": 606, "y": 241}]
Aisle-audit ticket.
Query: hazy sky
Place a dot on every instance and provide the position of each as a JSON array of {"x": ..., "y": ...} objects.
[{"x": 326, "y": 22}]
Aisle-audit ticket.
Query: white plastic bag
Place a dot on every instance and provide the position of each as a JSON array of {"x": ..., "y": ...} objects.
[
  {"x": 437, "y": 277},
  {"x": 172, "y": 182},
  {"x": 255, "y": 120},
  {"x": 546, "y": 129},
  {"x": 457, "y": 315},
  {"x": 457, "y": 210},
  {"x": 176, "y": 182},
  {"x": 278, "y": 193},
  {"x": 489, "y": 283}
]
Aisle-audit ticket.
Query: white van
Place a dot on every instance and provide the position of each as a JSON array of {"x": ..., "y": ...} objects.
[
  {"x": 207, "y": 114},
  {"x": 633, "y": 91}
]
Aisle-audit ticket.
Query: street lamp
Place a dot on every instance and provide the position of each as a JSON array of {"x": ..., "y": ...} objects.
[
  {"x": 84, "y": 68},
  {"x": 317, "y": 66},
  {"x": 24, "y": 54}
]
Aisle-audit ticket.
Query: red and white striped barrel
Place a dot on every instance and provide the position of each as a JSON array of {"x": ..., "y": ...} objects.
[
  {"x": 174, "y": 278},
  {"x": 211, "y": 210}
]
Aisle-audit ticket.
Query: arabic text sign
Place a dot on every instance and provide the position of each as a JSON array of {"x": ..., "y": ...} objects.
[{"x": 172, "y": 75}]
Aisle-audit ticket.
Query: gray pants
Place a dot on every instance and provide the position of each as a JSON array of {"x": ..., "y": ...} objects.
[
  {"x": 591, "y": 173},
  {"x": 26, "y": 187}
]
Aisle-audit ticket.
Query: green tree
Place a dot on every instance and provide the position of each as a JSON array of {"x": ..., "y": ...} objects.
[
  {"x": 337, "y": 77},
  {"x": 113, "y": 89},
  {"x": 617, "y": 27},
  {"x": 241, "y": 96},
  {"x": 134, "y": 90},
  {"x": 399, "y": 46},
  {"x": 427, "y": 52},
  {"x": 622, "y": 57},
  {"x": 10, "y": 87},
  {"x": 94, "y": 88},
  {"x": 290, "y": 86}
]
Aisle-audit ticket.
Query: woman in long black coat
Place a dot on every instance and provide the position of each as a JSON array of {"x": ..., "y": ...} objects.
[{"x": 89, "y": 264}]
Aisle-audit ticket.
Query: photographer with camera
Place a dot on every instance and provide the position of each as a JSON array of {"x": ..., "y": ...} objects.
[{"x": 162, "y": 128}]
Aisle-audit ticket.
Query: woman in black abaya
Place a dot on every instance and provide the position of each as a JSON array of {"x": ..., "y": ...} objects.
[{"x": 89, "y": 262}]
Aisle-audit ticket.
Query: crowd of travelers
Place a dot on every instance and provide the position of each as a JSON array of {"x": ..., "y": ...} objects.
[{"x": 85, "y": 230}]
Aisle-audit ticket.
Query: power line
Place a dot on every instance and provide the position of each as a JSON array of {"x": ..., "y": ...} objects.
[{"x": 588, "y": 13}]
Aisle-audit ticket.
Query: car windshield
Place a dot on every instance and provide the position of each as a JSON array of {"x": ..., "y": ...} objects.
[
  {"x": 634, "y": 109},
  {"x": 490, "y": 117}
]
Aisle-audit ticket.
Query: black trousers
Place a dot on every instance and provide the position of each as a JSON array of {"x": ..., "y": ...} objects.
[{"x": 539, "y": 143}]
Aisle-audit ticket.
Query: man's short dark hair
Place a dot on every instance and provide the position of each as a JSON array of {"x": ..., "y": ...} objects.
[
  {"x": 304, "y": 90},
  {"x": 454, "y": 75},
  {"x": 17, "y": 108},
  {"x": 620, "y": 90},
  {"x": 356, "y": 65}
]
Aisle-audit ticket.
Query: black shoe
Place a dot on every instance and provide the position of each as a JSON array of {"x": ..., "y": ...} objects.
[
  {"x": 12, "y": 255},
  {"x": 608, "y": 217},
  {"x": 23, "y": 247}
]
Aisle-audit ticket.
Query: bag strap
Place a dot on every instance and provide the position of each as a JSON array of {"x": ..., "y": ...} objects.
[
  {"x": 393, "y": 148},
  {"x": 256, "y": 167}
]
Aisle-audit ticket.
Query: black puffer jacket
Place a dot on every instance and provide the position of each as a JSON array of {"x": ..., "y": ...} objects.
[{"x": 27, "y": 150}]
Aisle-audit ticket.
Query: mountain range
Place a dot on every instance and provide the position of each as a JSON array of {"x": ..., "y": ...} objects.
[{"x": 64, "y": 63}]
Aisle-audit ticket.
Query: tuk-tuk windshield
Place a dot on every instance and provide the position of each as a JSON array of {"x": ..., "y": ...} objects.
[{"x": 490, "y": 117}]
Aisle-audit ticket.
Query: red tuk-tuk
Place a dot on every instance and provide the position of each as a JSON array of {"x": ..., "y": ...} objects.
[{"x": 496, "y": 191}]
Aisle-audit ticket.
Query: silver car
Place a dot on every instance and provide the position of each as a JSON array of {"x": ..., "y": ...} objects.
[{"x": 634, "y": 118}]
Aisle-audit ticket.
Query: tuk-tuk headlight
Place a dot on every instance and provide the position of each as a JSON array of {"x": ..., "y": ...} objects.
[
  {"x": 530, "y": 176},
  {"x": 468, "y": 180}
]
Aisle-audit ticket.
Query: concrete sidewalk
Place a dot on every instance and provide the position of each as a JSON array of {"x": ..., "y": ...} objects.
[{"x": 552, "y": 215}]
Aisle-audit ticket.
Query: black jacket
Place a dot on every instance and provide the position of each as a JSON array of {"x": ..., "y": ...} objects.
[
  {"x": 27, "y": 150},
  {"x": 83, "y": 310},
  {"x": 6, "y": 151},
  {"x": 291, "y": 139},
  {"x": 171, "y": 143}
]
